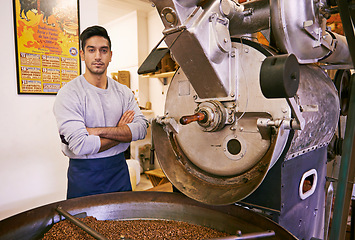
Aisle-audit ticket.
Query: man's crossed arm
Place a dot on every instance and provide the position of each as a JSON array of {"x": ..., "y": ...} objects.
[{"x": 111, "y": 136}]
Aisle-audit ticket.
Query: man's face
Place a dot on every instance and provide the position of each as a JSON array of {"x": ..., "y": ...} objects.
[{"x": 96, "y": 55}]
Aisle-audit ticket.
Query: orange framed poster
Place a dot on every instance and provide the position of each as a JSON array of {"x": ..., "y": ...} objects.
[{"x": 47, "y": 44}]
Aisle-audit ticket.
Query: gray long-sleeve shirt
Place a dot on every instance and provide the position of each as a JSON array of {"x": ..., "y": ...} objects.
[{"x": 79, "y": 105}]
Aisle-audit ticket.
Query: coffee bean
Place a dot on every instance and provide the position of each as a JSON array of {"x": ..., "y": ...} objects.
[{"x": 132, "y": 229}]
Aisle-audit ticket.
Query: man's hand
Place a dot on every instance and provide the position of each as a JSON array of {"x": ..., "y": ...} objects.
[
  {"x": 127, "y": 117},
  {"x": 91, "y": 131},
  {"x": 111, "y": 136}
]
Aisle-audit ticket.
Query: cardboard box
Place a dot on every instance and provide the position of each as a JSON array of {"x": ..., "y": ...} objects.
[
  {"x": 167, "y": 64},
  {"x": 122, "y": 77}
]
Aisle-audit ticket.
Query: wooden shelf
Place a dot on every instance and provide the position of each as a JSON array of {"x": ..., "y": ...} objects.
[
  {"x": 157, "y": 177},
  {"x": 159, "y": 75}
]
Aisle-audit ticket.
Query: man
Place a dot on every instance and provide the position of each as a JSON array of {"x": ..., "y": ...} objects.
[{"x": 97, "y": 118}]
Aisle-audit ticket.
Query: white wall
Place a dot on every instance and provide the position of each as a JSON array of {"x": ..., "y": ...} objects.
[
  {"x": 132, "y": 41},
  {"x": 123, "y": 33},
  {"x": 32, "y": 167}
]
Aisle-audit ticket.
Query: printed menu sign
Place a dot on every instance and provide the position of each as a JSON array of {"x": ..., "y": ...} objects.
[{"x": 47, "y": 44}]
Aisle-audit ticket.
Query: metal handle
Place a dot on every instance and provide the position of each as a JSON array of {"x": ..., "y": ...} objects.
[
  {"x": 247, "y": 236},
  {"x": 80, "y": 224},
  {"x": 199, "y": 116}
]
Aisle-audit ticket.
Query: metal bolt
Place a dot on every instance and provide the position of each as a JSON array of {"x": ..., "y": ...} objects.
[
  {"x": 170, "y": 18},
  {"x": 248, "y": 12},
  {"x": 211, "y": 17}
]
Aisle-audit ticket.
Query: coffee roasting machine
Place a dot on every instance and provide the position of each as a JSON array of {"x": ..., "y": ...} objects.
[
  {"x": 248, "y": 128},
  {"x": 251, "y": 123}
]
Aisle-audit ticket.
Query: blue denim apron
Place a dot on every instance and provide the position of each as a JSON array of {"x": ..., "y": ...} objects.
[{"x": 99, "y": 175}]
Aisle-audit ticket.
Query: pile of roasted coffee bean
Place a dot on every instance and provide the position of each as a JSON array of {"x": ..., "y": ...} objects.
[{"x": 132, "y": 229}]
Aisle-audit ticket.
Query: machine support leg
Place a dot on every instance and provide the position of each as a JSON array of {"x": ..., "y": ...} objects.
[{"x": 346, "y": 173}]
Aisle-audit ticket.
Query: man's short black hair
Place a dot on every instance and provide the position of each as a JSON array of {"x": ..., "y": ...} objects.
[{"x": 93, "y": 31}]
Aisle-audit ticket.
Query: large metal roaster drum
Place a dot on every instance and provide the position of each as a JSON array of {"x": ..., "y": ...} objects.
[
  {"x": 224, "y": 156},
  {"x": 34, "y": 223}
]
